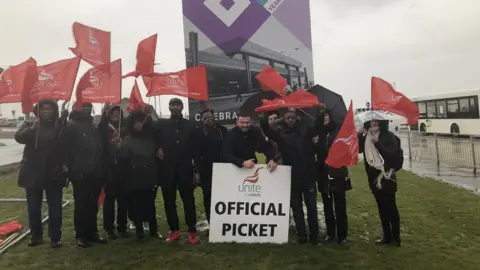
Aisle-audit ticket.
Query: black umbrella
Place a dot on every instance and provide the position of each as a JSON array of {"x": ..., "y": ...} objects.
[
  {"x": 254, "y": 101},
  {"x": 333, "y": 102}
]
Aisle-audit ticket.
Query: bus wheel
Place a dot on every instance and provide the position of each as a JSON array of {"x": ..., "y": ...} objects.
[
  {"x": 454, "y": 128},
  {"x": 423, "y": 127}
]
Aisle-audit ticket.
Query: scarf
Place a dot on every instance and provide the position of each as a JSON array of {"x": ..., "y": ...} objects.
[{"x": 375, "y": 160}]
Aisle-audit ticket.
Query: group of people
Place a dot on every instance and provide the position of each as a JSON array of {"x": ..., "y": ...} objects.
[{"x": 130, "y": 158}]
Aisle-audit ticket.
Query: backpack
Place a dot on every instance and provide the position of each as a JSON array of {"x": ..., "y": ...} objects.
[{"x": 398, "y": 162}]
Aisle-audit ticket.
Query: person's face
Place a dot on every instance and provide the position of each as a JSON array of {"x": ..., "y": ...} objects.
[
  {"x": 208, "y": 119},
  {"x": 243, "y": 123},
  {"x": 374, "y": 126},
  {"x": 114, "y": 115},
  {"x": 326, "y": 119},
  {"x": 46, "y": 112},
  {"x": 175, "y": 108},
  {"x": 290, "y": 119},
  {"x": 88, "y": 108},
  {"x": 138, "y": 126},
  {"x": 272, "y": 118}
]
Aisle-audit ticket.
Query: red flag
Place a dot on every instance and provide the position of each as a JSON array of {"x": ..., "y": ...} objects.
[
  {"x": 135, "y": 102},
  {"x": 101, "y": 198},
  {"x": 56, "y": 80},
  {"x": 271, "y": 80},
  {"x": 17, "y": 80},
  {"x": 145, "y": 57},
  {"x": 93, "y": 45},
  {"x": 384, "y": 97},
  {"x": 191, "y": 83},
  {"x": 344, "y": 150},
  {"x": 102, "y": 84},
  {"x": 297, "y": 99},
  {"x": 10, "y": 227}
]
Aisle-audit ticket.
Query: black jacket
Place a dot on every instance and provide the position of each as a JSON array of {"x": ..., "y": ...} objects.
[
  {"x": 114, "y": 169},
  {"x": 43, "y": 155},
  {"x": 209, "y": 147},
  {"x": 297, "y": 150},
  {"x": 138, "y": 152},
  {"x": 240, "y": 146},
  {"x": 85, "y": 149},
  {"x": 387, "y": 147},
  {"x": 176, "y": 138}
]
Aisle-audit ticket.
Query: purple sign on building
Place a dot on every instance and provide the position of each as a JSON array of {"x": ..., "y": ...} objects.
[{"x": 236, "y": 39}]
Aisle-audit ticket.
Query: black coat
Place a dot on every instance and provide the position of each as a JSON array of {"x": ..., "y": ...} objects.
[
  {"x": 297, "y": 150},
  {"x": 176, "y": 138},
  {"x": 209, "y": 147},
  {"x": 241, "y": 146},
  {"x": 114, "y": 170},
  {"x": 85, "y": 149},
  {"x": 139, "y": 154},
  {"x": 43, "y": 156},
  {"x": 387, "y": 147}
]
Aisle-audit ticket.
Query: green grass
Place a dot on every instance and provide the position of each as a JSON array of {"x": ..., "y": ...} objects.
[{"x": 440, "y": 230}]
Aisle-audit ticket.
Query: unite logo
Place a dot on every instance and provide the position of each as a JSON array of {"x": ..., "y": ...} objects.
[
  {"x": 45, "y": 79},
  {"x": 95, "y": 82},
  {"x": 350, "y": 142},
  {"x": 228, "y": 11},
  {"x": 250, "y": 186}
]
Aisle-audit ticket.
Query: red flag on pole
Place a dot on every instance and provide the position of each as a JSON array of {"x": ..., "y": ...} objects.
[
  {"x": 56, "y": 80},
  {"x": 384, "y": 97},
  {"x": 93, "y": 45},
  {"x": 145, "y": 57},
  {"x": 191, "y": 83},
  {"x": 271, "y": 80},
  {"x": 102, "y": 84},
  {"x": 17, "y": 81},
  {"x": 298, "y": 99},
  {"x": 344, "y": 150},
  {"x": 135, "y": 102}
]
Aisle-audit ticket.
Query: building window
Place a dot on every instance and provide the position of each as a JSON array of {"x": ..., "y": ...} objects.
[
  {"x": 431, "y": 110},
  {"x": 441, "y": 109}
]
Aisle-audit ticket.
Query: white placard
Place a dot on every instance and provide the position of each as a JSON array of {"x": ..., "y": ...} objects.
[{"x": 250, "y": 206}]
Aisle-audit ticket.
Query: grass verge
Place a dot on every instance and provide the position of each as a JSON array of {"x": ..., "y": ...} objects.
[{"x": 440, "y": 230}]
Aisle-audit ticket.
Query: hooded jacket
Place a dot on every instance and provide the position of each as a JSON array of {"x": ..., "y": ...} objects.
[
  {"x": 209, "y": 147},
  {"x": 138, "y": 151},
  {"x": 43, "y": 155},
  {"x": 85, "y": 150}
]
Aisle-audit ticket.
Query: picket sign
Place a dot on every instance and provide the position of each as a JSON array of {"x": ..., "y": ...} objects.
[{"x": 250, "y": 205}]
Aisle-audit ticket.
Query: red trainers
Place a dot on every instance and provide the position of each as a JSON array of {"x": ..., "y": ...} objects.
[
  {"x": 174, "y": 236},
  {"x": 192, "y": 238}
]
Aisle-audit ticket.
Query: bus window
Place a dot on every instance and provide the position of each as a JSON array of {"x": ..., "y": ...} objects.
[
  {"x": 431, "y": 110},
  {"x": 441, "y": 109},
  {"x": 422, "y": 108},
  {"x": 464, "y": 106},
  {"x": 473, "y": 107},
  {"x": 452, "y": 106}
]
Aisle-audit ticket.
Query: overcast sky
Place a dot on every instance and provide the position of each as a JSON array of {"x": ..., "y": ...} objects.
[{"x": 424, "y": 46}]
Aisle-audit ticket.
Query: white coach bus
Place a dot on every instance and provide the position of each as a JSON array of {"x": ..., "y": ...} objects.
[{"x": 455, "y": 112}]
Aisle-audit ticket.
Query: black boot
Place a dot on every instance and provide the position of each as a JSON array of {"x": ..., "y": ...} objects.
[
  {"x": 35, "y": 242},
  {"x": 55, "y": 244},
  {"x": 301, "y": 239},
  {"x": 383, "y": 241},
  {"x": 396, "y": 241},
  {"x": 82, "y": 243},
  {"x": 99, "y": 240},
  {"x": 110, "y": 235}
]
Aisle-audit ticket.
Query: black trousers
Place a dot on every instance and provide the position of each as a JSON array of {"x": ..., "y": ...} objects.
[
  {"x": 169, "y": 192},
  {"x": 34, "y": 205},
  {"x": 307, "y": 193},
  {"x": 86, "y": 193},
  {"x": 115, "y": 193},
  {"x": 389, "y": 216},
  {"x": 141, "y": 207},
  {"x": 335, "y": 211},
  {"x": 206, "y": 184}
]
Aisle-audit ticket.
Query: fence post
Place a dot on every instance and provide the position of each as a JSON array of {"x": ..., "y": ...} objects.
[
  {"x": 409, "y": 146},
  {"x": 436, "y": 148},
  {"x": 473, "y": 156}
]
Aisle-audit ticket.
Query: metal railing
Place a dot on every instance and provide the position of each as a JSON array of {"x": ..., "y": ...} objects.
[{"x": 449, "y": 149}]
